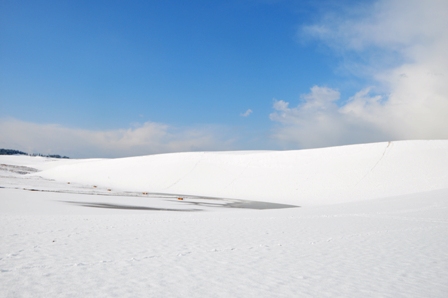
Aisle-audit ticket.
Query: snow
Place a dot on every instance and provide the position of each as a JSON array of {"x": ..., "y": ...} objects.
[
  {"x": 303, "y": 177},
  {"x": 372, "y": 222}
]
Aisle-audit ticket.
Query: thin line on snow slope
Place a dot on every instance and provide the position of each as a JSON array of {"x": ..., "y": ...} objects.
[
  {"x": 376, "y": 164},
  {"x": 238, "y": 176},
  {"x": 192, "y": 169}
]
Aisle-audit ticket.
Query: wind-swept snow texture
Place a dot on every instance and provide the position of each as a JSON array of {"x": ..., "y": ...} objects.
[
  {"x": 301, "y": 177},
  {"x": 97, "y": 240}
]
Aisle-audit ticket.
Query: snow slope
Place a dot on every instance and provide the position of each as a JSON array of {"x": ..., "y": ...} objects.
[
  {"x": 77, "y": 240},
  {"x": 302, "y": 177}
]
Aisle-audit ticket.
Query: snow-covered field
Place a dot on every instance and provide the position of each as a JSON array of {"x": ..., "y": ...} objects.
[{"x": 354, "y": 221}]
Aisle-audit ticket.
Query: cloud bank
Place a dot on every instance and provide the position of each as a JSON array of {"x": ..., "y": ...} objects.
[
  {"x": 401, "y": 46},
  {"x": 148, "y": 138}
]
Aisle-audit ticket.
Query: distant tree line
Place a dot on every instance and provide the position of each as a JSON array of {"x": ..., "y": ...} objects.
[{"x": 17, "y": 152}]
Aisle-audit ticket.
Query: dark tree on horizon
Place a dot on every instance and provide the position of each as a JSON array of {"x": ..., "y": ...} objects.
[{"x": 17, "y": 152}]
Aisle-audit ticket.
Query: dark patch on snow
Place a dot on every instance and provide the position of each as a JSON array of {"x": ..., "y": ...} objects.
[
  {"x": 22, "y": 170},
  {"x": 221, "y": 203},
  {"x": 126, "y": 207},
  {"x": 233, "y": 203},
  {"x": 259, "y": 205}
]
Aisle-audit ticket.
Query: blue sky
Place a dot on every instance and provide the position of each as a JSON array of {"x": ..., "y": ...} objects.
[{"x": 161, "y": 76}]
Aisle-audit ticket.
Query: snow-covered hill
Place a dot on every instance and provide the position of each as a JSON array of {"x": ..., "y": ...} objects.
[{"x": 302, "y": 177}]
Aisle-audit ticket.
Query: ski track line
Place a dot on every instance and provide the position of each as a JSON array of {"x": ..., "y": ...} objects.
[
  {"x": 376, "y": 164},
  {"x": 194, "y": 167},
  {"x": 238, "y": 176}
]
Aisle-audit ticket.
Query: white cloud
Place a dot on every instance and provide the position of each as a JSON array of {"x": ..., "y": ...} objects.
[
  {"x": 145, "y": 139},
  {"x": 404, "y": 43},
  {"x": 247, "y": 113},
  {"x": 318, "y": 121}
]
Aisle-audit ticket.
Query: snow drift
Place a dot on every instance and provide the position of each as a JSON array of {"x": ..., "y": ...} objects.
[{"x": 299, "y": 177}]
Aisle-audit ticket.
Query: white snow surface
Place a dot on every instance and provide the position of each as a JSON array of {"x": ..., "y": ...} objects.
[
  {"x": 372, "y": 222},
  {"x": 300, "y": 177}
]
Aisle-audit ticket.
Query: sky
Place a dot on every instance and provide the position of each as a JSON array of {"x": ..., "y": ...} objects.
[{"x": 125, "y": 78}]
